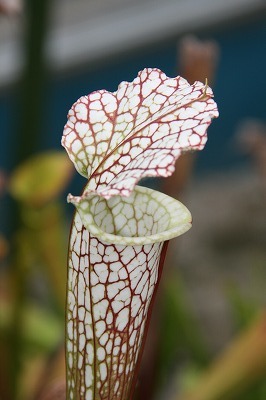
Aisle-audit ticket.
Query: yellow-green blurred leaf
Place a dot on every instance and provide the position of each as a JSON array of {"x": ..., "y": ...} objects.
[{"x": 41, "y": 178}]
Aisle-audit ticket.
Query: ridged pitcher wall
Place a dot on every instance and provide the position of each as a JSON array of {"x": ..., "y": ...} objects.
[{"x": 117, "y": 249}]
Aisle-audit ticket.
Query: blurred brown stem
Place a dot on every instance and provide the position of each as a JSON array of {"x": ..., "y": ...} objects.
[{"x": 197, "y": 61}]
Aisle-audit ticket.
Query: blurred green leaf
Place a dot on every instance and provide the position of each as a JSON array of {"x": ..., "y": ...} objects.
[
  {"x": 180, "y": 334},
  {"x": 41, "y": 178},
  {"x": 41, "y": 329},
  {"x": 244, "y": 309}
]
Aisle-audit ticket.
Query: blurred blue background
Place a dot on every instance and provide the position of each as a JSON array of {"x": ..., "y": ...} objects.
[{"x": 239, "y": 89}]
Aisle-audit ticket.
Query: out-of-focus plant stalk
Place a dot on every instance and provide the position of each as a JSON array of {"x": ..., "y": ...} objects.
[
  {"x": 28, "y": 129},
  {"x": 31, "y": 98}
]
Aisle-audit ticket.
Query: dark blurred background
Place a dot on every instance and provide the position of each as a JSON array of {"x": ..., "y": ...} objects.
[{"x": 53, "y": 52}]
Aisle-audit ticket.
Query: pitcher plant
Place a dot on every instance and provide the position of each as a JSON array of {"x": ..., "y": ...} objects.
[{"x": 120, "y": 231}]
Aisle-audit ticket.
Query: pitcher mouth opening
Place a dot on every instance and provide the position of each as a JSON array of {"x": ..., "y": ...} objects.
[{"x": 146, "y": 216}]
